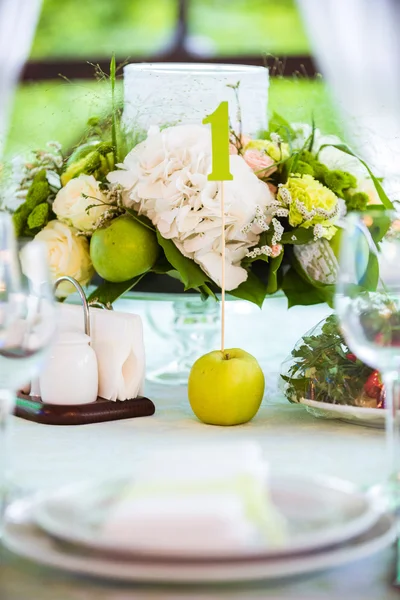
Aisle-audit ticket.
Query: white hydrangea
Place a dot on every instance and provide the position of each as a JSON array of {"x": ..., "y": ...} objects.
[{"x": 165, "y": 178}]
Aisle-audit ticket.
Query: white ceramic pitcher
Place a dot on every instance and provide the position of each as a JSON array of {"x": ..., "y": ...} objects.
[{"x": 71, "y": 374}]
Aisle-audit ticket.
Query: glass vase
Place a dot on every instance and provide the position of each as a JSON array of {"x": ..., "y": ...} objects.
[{"x": 194, "y": 331}]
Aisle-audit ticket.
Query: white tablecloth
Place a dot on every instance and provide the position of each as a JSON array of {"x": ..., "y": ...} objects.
[{"x": 292, "y": 440}]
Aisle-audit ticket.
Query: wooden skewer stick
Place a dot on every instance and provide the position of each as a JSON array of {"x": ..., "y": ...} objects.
[{"x": 223, "y": 269}]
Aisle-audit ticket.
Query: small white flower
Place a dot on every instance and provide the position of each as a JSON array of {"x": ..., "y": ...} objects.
[
  {"x": 276, "y": 138},
  {"x": 278, "y": 229}
]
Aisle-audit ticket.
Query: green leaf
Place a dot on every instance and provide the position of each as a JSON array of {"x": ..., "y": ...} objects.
[
  {"x": 191, "y": 274},
  {"x": 109, "y": 292},
  {"x": 114, "y": 116},
  {"x": 387, "y": 203},
  {"x": 39, "y": 216},
  {"x": 381, "y": 224},
  {"x": 302, "y": 235},
  {"x": 140, "y": 218},
  {"x": 326, "y": 291},
  {"x": 206, "y": 292},
  {"x": 252, "y": 289},
  {"x": 278, "y": 124},
  {"x": 290, "y": 165},
  {"x": 312, "y": 136},
  {"x": 370, "y": 278},
  {"x": 274, "y": 265},
  {"x": 300, "y": 292}
]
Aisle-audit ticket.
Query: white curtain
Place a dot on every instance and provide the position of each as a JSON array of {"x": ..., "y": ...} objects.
[
  {"x": 18, "y": 19},
  {"x": 357, "y": 47}
]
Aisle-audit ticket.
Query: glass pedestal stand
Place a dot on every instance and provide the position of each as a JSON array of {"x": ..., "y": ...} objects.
[{"x": 194, "y": 331}]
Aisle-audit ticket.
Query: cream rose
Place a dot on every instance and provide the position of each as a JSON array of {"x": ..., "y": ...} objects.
[
  {"x": 72, "y": 202},
  {"x": 68, "y": 254}
]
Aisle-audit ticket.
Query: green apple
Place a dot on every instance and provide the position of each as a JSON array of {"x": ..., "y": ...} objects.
[
  {"x": 226, "y": 388},
  {"x": 123, "y": 249}
]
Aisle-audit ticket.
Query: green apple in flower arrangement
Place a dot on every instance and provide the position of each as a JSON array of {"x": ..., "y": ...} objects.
[
  {"x": 226, "y": 387},
  {"x": 123, "y": 248}
]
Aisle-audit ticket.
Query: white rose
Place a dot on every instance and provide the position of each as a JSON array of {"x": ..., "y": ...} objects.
[
  {"x": 73, "y": 200},
  {"x": 165, "y": 178},
  {"x": 68, "y": 254}
]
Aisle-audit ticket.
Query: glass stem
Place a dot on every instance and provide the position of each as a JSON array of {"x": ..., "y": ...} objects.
[
  {"x": 391, "y": 382},
  {"x": 6, "y": 406}
]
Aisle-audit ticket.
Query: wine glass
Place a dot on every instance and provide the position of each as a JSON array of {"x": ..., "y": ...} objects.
[
  {"x": 27, "y": 324},
  {"x": 368, "y": 305}
]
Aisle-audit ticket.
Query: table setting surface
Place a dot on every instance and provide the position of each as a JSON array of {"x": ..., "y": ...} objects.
[{"x": 292, "y": 441}]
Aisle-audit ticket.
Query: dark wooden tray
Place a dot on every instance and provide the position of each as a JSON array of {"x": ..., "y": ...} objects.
[{"x": 33, "y": 409}]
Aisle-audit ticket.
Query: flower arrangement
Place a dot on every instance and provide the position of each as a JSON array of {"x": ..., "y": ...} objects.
[{"x": 290, "y": 187}]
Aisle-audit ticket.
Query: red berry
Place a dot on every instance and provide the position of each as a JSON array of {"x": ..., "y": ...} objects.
[
  {"x": 351, "y": 356},
  {"x": 374, "y": 388}
]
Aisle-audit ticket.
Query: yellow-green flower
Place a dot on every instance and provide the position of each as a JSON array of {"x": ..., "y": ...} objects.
[
  {"x": 276, "y": 151},
  {"x": 310, "y": 204}
]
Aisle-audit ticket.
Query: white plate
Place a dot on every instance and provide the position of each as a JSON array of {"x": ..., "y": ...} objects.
[
  {"x": 358, "y": 415},
  {"x": 22, "y": 537},
  {"x": 318, "y": 511}
]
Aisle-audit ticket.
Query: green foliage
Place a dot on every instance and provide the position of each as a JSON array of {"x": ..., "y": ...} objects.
[
  {"x": 249, "y": 26},
  {"x": 381, "y": 224},
  {"x": 281, "y": 126},
  {"x": 387, "y": 203},
  {"x": 39, "y": 217},
  {"x": 37, "y": 193},
  {"x": 299, "y": 291},
  {"x": 96, "y": 160},
  {"x": 339, "y": 181},
  {"x": 134, "y": 27},
  {"x": 357, "y": 202},
  {"x": 298, "y": 98},
  {"x": 253, "y": 290},
  {"x": 303, "y": 168},
  {"x": 370, "y": 278},
  {"x": 99, "y": 27},
  {"x": 321, "y": 369},
  {"x": 274, "y": 265},
  {"x": 190, "y": 273},
  {"x": 81, "y": 152},
  {"x": 108, "y": 292},
  {"x": 32, "y": 211},
  {"x": 300, "y": 235},
  {"x": 114, "y": 108}
]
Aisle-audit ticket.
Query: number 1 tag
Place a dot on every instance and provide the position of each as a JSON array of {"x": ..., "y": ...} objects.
[{"x": 219, "y": 121}]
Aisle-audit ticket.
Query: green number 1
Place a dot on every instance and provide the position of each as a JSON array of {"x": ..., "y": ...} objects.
[{"x": 219, "y": 121}]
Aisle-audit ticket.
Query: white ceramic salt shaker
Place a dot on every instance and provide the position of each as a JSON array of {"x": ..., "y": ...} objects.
[{"x": 71, "y": 375}]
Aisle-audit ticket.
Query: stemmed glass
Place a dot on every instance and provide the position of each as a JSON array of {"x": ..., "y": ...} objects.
[
  {"x": 27, "y": 325},
  {"x": 368, "y": 306}
]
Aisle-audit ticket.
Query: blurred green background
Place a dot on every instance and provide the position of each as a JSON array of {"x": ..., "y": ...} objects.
[{"x": 89, "y": 29}]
